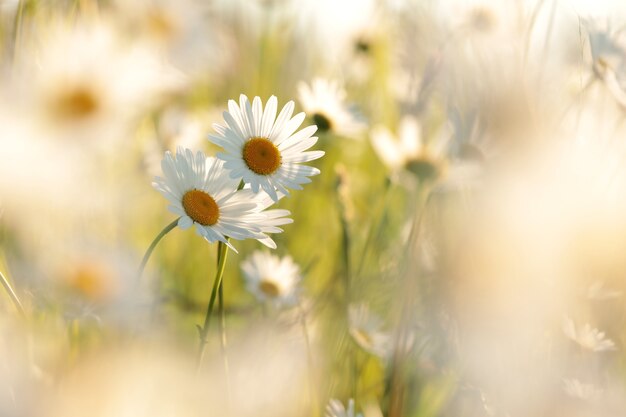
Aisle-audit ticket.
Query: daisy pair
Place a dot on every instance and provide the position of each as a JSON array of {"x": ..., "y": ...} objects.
[{"x": 262, "y": 151}]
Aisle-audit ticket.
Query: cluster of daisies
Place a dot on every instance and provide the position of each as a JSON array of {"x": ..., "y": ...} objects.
[{"x": 228, "y": 196}]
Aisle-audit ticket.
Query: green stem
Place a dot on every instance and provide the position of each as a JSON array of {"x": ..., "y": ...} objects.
[
  {"x": 374, "y": 229},
  {"x": 12, "y": 295},
  {"x": 396, "y": 388},
  {"x": 222, "y": 316},
  {"x": 156, "y": 240},
  {"x": 204, "y": 330},
  {"x": 17, "y": 28}
]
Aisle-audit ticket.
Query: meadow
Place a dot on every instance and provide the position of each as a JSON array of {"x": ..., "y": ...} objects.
[{"x": 349, "y": 208}]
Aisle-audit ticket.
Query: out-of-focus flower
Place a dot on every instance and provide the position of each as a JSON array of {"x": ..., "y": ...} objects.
[
  {"x": 67, "y": 105},
  {"x": 576, "y": 389},
  {"x": 608, "y": 55},
  {"x": 179, "y": 30},
  {"x": 272, "y": 279},
  {"x": 175, "y": 127},
  {"x": 409, "y": 152},
  {"x": 335, "y": 408},
  {"x": 366, "y": 329},
  {"x": 88, "y": 83},
  {"x": 264, "y": 150},
  {"x": 483, "y": 22},
  {"x": 324, "y": 100},
  {"x": 202, "y": 193},
  {"x": 587, "y": 337},
  {"x": 96, "y": 281}
]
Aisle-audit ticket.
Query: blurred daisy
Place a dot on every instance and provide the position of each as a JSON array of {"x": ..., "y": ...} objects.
[
  {"x": 367, "y": 330},
  {"x": 335, "y": 408},
  {"x": 608, "y": 54},
  {"x": 272, "y": 279},
  {"x": 409, "y": 152},
  {"x": 262, "y": 149},
  {"x": 576, "y": 389},
  {"x": 86, "y": 82},
  {"x": 179, "y": 31},
  {"x": 587, "y": 337},
  {"x": 325, "y": 101},
  {"x": 489, "y": 22},
  {"x": 202, "y": 193}
]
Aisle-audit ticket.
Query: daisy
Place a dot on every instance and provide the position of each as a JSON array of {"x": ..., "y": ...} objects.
[
  {"x": 263, "y": 149},
  {"x": 325, "y": 100},
  {"x": 366, "y": 330},
  {"x": 587, "y": 337},
  {"x": 84, "y": 82},
  {"x": 336, "y": 408},
  {"x": 492, "y": 23},
  {"x": 202, "y": 193},
  {"x": 272, "y": 279},
  {"x": 608, "y": 54},
  {"x": 409, "y": 152}
]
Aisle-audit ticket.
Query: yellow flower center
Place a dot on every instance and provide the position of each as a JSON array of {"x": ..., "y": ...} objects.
[
  {"x": 92, "y": 280},
  {"x": 261, "y": 156},
  {"x": 201, "y": 207},
  {"x": 269, "y": 288},
  {"x": 76, "y": 103}
]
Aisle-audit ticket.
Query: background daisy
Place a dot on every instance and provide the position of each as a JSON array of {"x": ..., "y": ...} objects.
[
  {"x": 324, "y": 100},
  {"x": 272, "y": 279}
]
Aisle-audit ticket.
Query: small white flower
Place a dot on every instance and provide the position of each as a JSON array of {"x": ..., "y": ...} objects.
[
  {"x": 336, "y": 408},
  {"x": 587, "y": 337},
  {"x": 263, "y": 149},
  {"x": 409, "y": 152},
  {"x": 367, "y": 330},
  {"x": 324, "y": 100},
  {"x": 272, "y": 279},
  {"x": 576, "y": 389},
  {"x": 201, "y": 193}
]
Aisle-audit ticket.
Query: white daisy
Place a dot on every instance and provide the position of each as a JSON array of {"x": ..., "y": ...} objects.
[
  {"x": 335, "y": 408},
  {"x": 409, "y": 152},
  {"x": 272, "y": 279},
  {"x": 202, "y": 193},
  {"x": 367, "y": 330},
  {"x": 587, "y": 337},
  {"x": 263, "y": 149},
  {"x": 325, "y": 101}
]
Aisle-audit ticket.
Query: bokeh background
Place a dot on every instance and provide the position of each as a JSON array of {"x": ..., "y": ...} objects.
[{"x": 460, "y": 254}]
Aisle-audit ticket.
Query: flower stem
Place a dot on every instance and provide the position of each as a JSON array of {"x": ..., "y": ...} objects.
[
  {"x": 222, "y": 251},
  {"x": 223, "y": 343},
  {"x": 12, "y": 295},
  {"x": 156, "y": 240}
]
